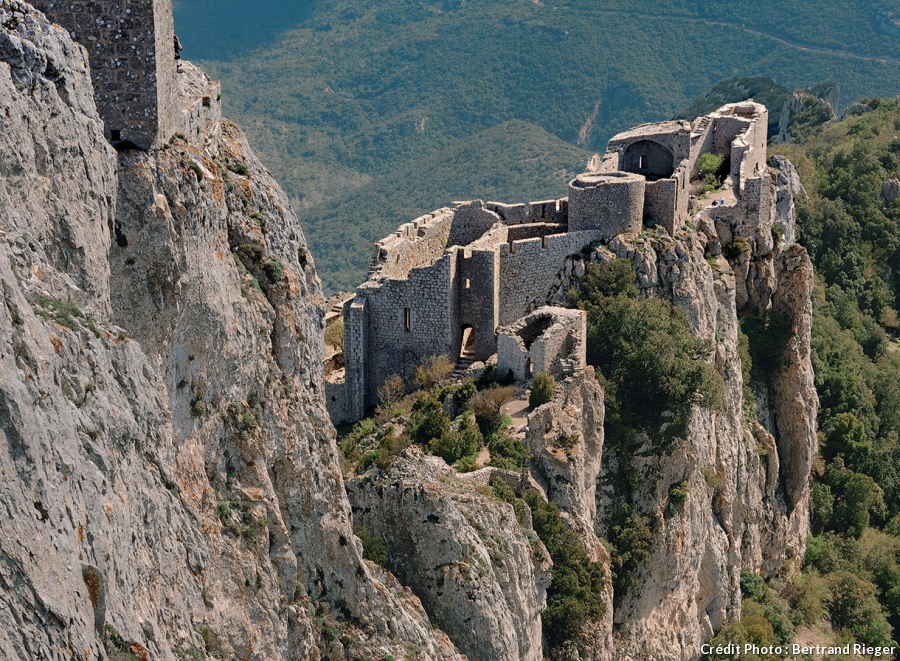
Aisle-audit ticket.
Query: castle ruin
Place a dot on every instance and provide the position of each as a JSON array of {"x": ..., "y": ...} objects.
[
  {"x": 143, "y": 97},
  {"x": 448, "y": 281}
]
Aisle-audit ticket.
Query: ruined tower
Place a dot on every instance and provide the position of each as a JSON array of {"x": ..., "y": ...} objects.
[{"x": 133, "y": 67}]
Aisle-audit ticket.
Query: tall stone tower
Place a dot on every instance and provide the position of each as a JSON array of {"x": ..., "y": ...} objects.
[{"x": 133, "y": 68}]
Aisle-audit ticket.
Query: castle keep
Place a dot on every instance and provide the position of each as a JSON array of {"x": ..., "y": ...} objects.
[
  {"x": 447, "y": 282},
  {"x": 137, "y": 86}
]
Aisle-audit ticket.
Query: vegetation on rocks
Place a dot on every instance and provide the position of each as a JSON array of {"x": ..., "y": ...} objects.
[{"x": 629, "y": 336}]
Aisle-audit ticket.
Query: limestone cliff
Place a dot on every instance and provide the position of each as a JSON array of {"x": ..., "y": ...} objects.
[{"x": 169, "y": 474}]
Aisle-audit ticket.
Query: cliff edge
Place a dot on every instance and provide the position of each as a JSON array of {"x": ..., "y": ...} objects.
[{"x": 168, "y": 469}]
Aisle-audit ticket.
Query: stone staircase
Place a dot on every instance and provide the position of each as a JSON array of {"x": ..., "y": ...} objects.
[{"x": 462, "y": 365}]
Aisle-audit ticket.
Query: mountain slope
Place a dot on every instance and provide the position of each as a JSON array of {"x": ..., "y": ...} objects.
[{"x": 353, "y": 91}]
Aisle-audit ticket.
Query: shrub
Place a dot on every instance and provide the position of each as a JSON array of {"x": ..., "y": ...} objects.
[
  {"x": 738, "y": 246},
  {"x": 274, "y": 269},
  {"x": 198, "y": 172},
  {"x": 710, "y": 162},
  {"x": 777, "y": 233},
  {"x": 486, "y": 406},
  {"x": 852, "y": 605},
  {"x": 507, "y": 451},
  {"x": 678, "y": 492},
  {"x": 753, "y": 586},
  {"x": 630, "y": 537},
  {"x": 644, "y": 350},
  {"x": 251, "y": 251},
  {"x": 454, "y": 445},
  {"x": 374, "y": 548},
  {"x": 392, "y": 390},
  {"x": 334, "y": 334},
  {"x": 542, "y": 389},
  {"x": 575, "y": 595},
  {"x": 430, "y": 371},
  {"x": 238, "y": 168},
  {"x": 428, "y": 419},
  {"x": 198, "y": 408}
]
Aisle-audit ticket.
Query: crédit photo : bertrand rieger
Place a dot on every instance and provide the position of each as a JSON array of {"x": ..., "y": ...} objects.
[{"x": 781, "y": 650}]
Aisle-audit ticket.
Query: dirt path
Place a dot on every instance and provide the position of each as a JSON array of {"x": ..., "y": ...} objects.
[{"x": 517, "y": 410}]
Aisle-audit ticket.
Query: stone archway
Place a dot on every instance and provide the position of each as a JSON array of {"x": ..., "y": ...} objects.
[{"x": 649, "y": 158}]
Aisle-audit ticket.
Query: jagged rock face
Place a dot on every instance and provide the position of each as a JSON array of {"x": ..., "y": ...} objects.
[
  {"x": 481, "y": 574},
  {"x": 168, "y": 468},
  {"x": 566, "y": 437},
  {"x": 787, "y": 187},
  {"x": 746, "y": 507},
  {"x": 51, "y": 145}
]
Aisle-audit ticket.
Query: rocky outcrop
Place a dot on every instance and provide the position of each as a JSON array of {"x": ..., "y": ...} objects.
[
  {"x": 746, "y": 489},
  {"x": 566, "y": 438},
  {"x": 169, "y": 471},
  {"x": 787, "y": 187},
  {"x": 482, "y": 575},
  {"x": 890, "y": 191}
]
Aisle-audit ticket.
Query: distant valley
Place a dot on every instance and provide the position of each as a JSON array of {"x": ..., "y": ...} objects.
[{"x": 373, "y": 113}]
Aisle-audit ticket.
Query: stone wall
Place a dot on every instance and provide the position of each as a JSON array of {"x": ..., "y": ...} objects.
[
  {"x": 532, "y": 230},
  {"x": 546, "y": 211},
  {"x": 612, "y": 203},
  {"x": 470, "y": 221},
  {"x": 397, "y": 342},
  {"x": 132, "y": 63},
  {"x": 659, "y": 202},
  {"x": 356, "y": 356},
  {"x": 479, "y": 297},
  {"x": 673, "y": 136},
  {"x": 413, "y": 245},
  {"x": 527, "y": 347},
  {"x": 529, "y": 270},
  {"x": 340, "y": 408}
]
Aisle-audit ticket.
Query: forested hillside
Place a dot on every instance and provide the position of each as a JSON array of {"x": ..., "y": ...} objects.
[{"x": 339, "y": 94}]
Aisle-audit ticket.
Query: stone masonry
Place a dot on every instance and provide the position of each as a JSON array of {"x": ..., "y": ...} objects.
[
  {"x": 550, "y": 340},
  {"x": 137, "y": 86},
  {"x": 467, "y": 270}
]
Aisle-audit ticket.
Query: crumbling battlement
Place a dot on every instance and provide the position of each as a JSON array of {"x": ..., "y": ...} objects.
[{"x": 458, "y": 274}]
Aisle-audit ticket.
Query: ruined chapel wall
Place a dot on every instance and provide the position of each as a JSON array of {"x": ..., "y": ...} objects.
[
  {"x": 563, "y": 340},
  {"x": 529, "y": 270}
]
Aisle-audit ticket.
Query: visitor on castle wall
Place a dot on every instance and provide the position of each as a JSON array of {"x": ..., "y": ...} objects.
[{"x": 178, "y": 47}]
